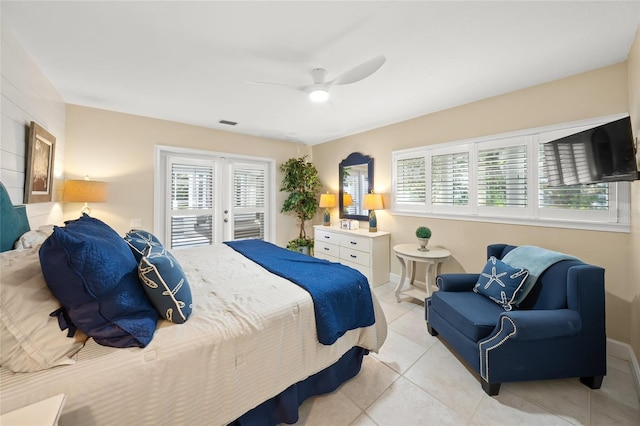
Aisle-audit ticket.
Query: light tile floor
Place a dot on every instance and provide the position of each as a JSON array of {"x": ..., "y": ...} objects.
[{"x": 415, "y": 380}]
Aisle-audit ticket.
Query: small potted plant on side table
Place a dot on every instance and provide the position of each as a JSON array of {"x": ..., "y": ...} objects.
[{"x": 423, "y": 233}]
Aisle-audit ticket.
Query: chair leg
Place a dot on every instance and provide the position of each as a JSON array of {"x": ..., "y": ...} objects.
[
  {"x": 432, "y": 331},
  {"x": 593, "y": 382},
  {"x": 491, "y": 389}
]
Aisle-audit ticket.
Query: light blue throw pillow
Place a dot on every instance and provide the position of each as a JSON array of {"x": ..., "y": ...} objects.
[
  {"x": 138, "y": 240},
  {"x": 166, "y": 285},
  {"x": 501, "y": 282}
]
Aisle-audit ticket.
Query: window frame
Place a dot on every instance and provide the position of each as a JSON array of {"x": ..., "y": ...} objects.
[
  {"x": 615, "y": 219},
  {"x": 225, "y": 162}
]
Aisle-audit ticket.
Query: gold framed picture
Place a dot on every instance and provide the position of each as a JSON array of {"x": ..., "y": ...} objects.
[{"x": 41, "y": 150}]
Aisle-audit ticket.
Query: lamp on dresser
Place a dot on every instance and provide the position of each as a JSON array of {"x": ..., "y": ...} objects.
[
  {"x": 347, "y": 201},
  {"x": 372, "y": 202},
  {"x": 85, "y": 191},
  {"x": 327, "y": 201}
]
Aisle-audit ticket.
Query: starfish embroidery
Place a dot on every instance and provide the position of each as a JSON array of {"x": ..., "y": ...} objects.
[{"x": 494, "y": 277}]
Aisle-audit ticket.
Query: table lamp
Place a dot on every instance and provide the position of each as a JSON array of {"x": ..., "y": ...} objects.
[
  {"x": 327, "y": 201},
  {"x": 372, "y": 202},
  {"x": 347, "y": 201},
  {"x": 85, "y": 191}
]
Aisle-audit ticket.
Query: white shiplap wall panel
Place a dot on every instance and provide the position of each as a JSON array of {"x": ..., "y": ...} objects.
[
  {"x": 13, "y": 135},
  {"x": 12, "y": 162},
  {"x": 27, "y": 95}
]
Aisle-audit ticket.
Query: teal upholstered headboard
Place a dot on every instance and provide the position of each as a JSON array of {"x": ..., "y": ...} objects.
[{"x": 13, "y": 221}]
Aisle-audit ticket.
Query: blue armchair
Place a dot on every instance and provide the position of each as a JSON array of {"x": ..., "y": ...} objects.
[{"x": 557, "y": 331}]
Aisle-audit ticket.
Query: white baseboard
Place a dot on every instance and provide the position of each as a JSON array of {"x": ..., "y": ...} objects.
[{"x": 624, "y": 351}]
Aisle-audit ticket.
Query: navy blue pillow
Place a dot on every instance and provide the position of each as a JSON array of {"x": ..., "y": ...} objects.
[
  {"x": 93, "y": 274},
  {"x": 501, "y": 283},
  {"x": 166, "y": 285},
  {"x": 139, "y": 240}
]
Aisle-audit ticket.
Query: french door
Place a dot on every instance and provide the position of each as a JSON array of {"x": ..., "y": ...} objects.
[{"x": 208, "y": 198}]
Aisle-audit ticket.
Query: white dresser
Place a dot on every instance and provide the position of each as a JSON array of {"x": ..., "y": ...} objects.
[{"x": 368, "y": 252}]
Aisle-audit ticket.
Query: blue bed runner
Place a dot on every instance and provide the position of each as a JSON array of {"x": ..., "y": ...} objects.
[{"x": 341, "y": 295}]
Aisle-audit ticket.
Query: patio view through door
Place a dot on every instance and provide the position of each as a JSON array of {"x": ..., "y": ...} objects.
[{"x": 215, "y": 199}]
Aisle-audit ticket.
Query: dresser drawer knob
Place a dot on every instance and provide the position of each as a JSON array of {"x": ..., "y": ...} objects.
[
  {"x": 326, "y": 248},
  {"x": 354, "y": 243},
  {"x": 354, "y": 256},
  {"x": 326, "y": 236}
]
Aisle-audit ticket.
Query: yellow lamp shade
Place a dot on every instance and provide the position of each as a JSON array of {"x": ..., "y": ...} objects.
[
  {"x": 347, "y": 200},
  {"x": 85, "y": 191},
  {"x": 372, "y": 202},
  {"x": 327, "y": 200}
]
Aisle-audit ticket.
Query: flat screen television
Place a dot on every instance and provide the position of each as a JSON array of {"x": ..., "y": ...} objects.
[{"x": 605, "y": 153}]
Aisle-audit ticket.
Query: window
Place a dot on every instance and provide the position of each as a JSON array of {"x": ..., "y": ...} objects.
[
  {"x": 410, "y": 172},
  {"x": 203, "y": 198},
  {"x": 450, "y": 179},
  {"x": 504, "y": 178},
  {"x": 191, "y": 202},
  {"x": 573, "y": 197},
  {"x": 249, "y": 191}
]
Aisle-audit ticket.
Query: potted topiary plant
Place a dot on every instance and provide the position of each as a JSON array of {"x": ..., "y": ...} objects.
[
  {"x": 423, "y": 233},
  {"x": 302, "y": 183},
  {"x": 302, "y": 245}
]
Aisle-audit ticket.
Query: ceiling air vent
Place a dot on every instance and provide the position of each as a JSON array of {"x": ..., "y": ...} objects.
[{"x": 227, "y": 122}]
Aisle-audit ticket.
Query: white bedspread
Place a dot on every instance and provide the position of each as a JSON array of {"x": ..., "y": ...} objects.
[{"x": 251, "y": 335}]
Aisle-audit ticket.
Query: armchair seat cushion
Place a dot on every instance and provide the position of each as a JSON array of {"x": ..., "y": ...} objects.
[{"x": 470, "y": 313}]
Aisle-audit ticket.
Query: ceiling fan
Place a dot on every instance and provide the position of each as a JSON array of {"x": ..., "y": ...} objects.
[{"x": 318, "y": 91}]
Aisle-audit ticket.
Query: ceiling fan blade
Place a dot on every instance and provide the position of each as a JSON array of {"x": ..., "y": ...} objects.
[
  {"x": 265, "y": 83},
  {"x": 361, "y": 71}
]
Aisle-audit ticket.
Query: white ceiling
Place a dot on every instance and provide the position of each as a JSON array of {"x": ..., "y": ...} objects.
[{"x": 190, "y": 61}]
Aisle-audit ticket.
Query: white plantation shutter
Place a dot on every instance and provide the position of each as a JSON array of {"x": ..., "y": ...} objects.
[
  {"x": 450, "y": 179},
  {"x": 191, "y": 203},
  {"x": 249, "y": 192},
  {"x": 502, "y": 176},
  {"x": 572, "y": 166},
  {"x": 411, "y": 180},
  {"x": 352, "y": 182},
  {"x": 593, "y": 197}
]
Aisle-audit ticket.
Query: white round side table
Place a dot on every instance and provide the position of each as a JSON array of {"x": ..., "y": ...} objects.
[{"x": 408, "y": 255}]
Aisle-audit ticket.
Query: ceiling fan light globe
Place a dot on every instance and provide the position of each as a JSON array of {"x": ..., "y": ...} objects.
[{"x": 319, "y": 95}]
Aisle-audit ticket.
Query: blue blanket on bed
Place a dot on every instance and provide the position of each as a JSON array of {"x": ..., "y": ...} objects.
[{"x": 341, "y": 295}]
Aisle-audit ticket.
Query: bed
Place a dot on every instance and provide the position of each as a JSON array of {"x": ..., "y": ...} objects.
[{"x": 248, "y": 354}]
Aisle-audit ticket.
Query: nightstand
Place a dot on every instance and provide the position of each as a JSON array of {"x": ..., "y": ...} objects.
[{"x": 45, "y": 412}]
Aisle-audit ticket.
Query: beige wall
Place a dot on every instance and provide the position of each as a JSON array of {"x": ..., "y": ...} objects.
[
  {"x": 633, "y": 65},
  {"x": 593, "y": 94},
  {"x": 120, "y": 149}
]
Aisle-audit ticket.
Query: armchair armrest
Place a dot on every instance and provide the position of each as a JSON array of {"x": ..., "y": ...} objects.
[
  {"x": 456, "y": 282},
  {"x": 542, "y": 324},
  {"x": 585, "y": 294},
  {"x": 527, "y": 325}
]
